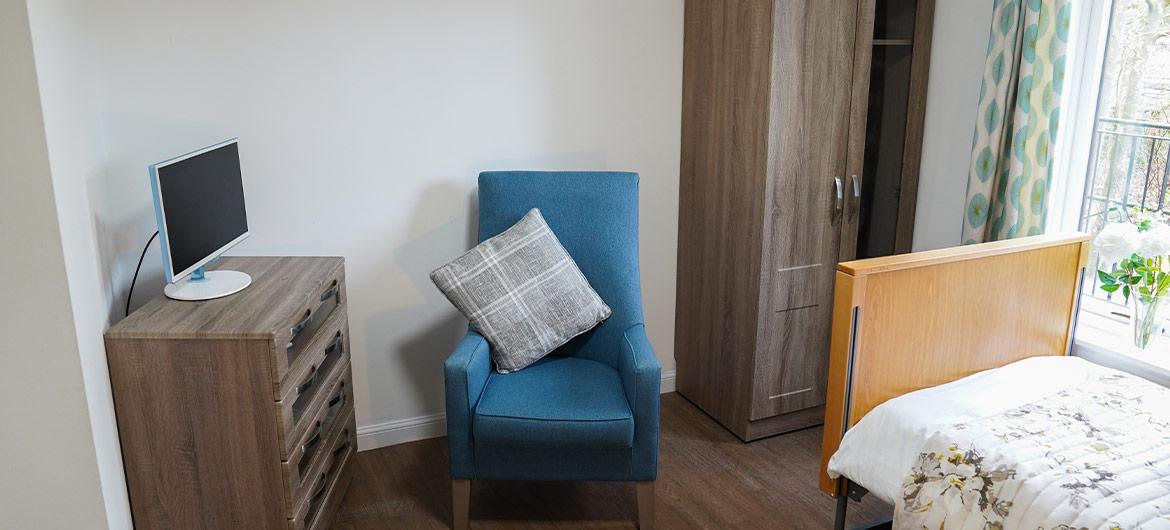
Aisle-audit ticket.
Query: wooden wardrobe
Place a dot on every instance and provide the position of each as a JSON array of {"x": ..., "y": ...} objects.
[{"x": 790, "y": 161}]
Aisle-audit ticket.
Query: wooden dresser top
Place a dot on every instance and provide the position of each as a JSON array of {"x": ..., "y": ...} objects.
[{"x": 280, "y": 286}]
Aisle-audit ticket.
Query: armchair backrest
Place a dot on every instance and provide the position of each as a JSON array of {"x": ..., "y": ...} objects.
[{"x": 595, "y": 216}]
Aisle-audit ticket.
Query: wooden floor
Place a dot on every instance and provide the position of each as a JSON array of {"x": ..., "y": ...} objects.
[{"x": 707, "y": 479}]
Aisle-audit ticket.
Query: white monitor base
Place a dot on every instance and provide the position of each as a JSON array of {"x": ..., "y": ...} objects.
[{"x": 215, "y": 284}]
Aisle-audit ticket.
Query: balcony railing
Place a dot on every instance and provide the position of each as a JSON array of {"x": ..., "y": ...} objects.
[{"x": 1128, "y": 173}]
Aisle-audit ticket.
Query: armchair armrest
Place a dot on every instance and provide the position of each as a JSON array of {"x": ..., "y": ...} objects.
[
  {"x": 466, "y": 374},
  {"x": 641, "y": 378}
]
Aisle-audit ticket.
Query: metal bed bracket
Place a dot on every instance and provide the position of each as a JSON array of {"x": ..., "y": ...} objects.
[{"x": 855, "y": 491}]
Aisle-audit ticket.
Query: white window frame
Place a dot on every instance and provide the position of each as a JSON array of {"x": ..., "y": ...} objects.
[
  {"x": 1088, "y": 36},
  {"x": 1101, "y": 335}
]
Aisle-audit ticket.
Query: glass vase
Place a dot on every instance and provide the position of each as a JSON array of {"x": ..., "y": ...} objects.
[{"x": 1148, "y": 319}]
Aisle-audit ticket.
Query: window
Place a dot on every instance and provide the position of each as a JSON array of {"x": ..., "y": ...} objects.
[
  {"x": 1128, "y": 156},
  {"x": 1115, "y": 133}
]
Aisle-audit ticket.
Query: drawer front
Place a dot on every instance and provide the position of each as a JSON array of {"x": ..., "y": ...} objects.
[
  {"x": 294, "y": 338},
  {"x": 309, "y": 452},
  {"x": 303, "y": 400},
  {"x": 791, "y": 362},
  {"x": 315, "y": 352},
  {"x": 329, "y": 481}
]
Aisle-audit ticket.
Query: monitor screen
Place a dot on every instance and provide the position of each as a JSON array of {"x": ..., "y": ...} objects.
[{"x": 201, "y": 199}]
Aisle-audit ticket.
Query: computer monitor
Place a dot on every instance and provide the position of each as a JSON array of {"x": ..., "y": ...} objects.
[{"x": 199, "y": 208}]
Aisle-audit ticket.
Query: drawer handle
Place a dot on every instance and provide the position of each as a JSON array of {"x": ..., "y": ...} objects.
[
  {"x": 300, "y": 326},
  {"x": 339, "y": 398},
  {"x": 316, "y": 439},
  {"x": 331, "y": 292},
  {"x": 305, "y": 386},
  {"x": 334, "y": 345},
  {"x": 316, "y": 496},
  {"x": 337, "y": 452}
]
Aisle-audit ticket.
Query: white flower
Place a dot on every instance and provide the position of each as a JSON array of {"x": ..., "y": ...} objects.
[
  {"x": 1116, "y": 242},
  {"x": 1155, "y": 241}
]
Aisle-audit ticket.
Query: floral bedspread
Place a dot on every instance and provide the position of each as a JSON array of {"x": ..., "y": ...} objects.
[{"x": 1095, "y": 457}]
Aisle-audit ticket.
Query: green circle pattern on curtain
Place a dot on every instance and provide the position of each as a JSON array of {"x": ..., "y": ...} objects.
[{"x": 1011, "y": 159}]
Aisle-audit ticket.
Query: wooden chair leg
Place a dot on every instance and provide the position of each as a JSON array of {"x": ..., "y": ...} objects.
[
  {"x": 460, "y": 502},
  {"x": 645, "y": 490}
]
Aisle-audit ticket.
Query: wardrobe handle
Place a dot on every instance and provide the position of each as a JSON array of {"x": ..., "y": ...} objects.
[
  {"x": 855, "y": 211},
  {"x": 840, "y": 184}
]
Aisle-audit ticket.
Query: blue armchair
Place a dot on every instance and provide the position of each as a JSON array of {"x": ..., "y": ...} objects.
[{"x": 588, "y": 411}]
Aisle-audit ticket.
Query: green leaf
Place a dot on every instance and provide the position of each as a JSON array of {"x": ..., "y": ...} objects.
[
  {"x": 1111, "y": 288},
  {"x": 1125, "y": 292},
  {"x": 1163, "y": 284},
  {"x": 1105, "y": 276}
]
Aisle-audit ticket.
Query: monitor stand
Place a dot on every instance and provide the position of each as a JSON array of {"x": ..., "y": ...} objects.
[{"x": 205, "y": 285}]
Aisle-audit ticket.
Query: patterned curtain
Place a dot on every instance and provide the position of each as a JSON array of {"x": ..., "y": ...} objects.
[{"x": 1011, "y": 170}]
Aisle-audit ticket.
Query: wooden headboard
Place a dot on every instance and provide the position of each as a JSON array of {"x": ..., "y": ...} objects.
[{"x": 903, "y": 323}]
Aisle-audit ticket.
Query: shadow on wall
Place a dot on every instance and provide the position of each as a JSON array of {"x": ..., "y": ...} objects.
[
  {"x": 120, "y": 198},
  {"x": 420, "y": 351},
  {"x": 115, "y": 236}
]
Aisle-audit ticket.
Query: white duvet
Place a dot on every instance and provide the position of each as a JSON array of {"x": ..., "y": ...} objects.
[{"x": 1044, "y": 443}]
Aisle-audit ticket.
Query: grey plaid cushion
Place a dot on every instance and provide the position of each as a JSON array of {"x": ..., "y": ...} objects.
[{"x": 522, "y": 292}]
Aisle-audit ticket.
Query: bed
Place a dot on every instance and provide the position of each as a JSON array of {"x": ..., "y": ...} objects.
[
  {"x": 951, "y": 396},
  {"x": 1039, "y": 443}
]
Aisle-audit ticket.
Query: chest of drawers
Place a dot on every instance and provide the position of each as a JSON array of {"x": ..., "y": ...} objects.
[{"x": 238, "y": 412}]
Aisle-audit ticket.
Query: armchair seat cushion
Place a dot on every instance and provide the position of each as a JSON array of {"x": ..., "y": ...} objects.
[{"x": 558, "y": 402}]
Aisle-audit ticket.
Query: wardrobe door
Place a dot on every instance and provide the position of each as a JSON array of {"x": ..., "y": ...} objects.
[
  {"x": 722, "y": 206},
  {"x": 812, "y": 71}
]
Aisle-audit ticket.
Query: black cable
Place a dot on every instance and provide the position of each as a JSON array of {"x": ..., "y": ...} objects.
[{"x": 136, "y": 269}]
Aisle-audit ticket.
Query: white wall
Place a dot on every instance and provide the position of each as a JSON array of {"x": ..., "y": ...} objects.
[
  {"x": 72, "y": 130},
  {"x": 957, "y": 55},
  {"x": 49, "y": 462},
  {"x": 363, "y": 126}
]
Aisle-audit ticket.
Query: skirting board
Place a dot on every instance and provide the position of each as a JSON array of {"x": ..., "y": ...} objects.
[{"x": 393, "y": 432}]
